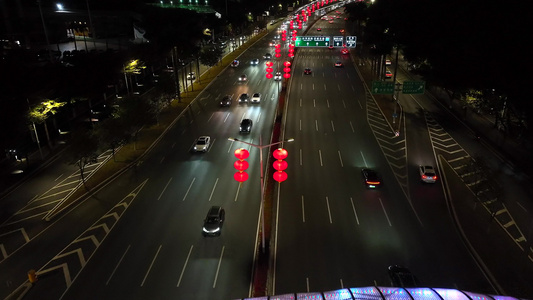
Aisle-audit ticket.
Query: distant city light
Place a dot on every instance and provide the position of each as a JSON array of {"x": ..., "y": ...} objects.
[{"x": 59, "y": 6}]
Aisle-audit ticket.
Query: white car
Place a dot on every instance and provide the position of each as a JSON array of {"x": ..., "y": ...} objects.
[
  {"x": 202, "y": 144},
  {"x": 428, "y": 174},
  {"x": 191, "y": 76},
  {"x": 256, "y": 98},
  {"x": 277, "y": 76}
]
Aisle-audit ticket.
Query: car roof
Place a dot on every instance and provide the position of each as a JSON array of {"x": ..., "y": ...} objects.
[
  {"x": 213, "y": 211},
  {"x": 257, "y": 94}
]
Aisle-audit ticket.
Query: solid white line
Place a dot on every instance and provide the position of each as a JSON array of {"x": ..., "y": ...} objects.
[
  {"x": 329, "y": 211},
  {"x": 118, "y": 264},
  {"x": 213, "y": 190},
  {"x": 303, "y": 210},
  {"x": 320, "y": 156},
  {"x": 354, "y": 212},
  {"x": 164, "y": 189},
  {"x": 184, "y": 266},
  {"x": 218, "y": 267},
  {"x": 190, "y": 185},
  {"x": 151, "y": 264},
  {"x": 340, "y": 158},
  {"x": 383, "y": 207}
]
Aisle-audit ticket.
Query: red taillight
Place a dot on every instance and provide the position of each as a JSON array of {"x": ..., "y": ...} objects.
[
  {"x": 434, "y": 177},
  {"x": 424, "y": 176}
]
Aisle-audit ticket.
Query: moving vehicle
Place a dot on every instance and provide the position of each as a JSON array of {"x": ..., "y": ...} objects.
[
  {"x": 277, "y": 76},
  {"x": 256, "y": 98},
  {"x": 267, "y": 56},
  {"x": 338, "y": 64},
  {"x": 213, "y": 221},
  {"x": 202, "y": 144},
  {"x": 243, "y": 98},
  {"x": 319, "y": 29},
  {"x": 234, "y": 64},
  {"x": 388, "y": 74},
  {"x": 402, "y": 277},
  {"x": 372, "y": 179},
  {"x": 307, "y": 71},
  {"x": 245, "y": 126},
  {"x": 243, "y": 78},
  {"x": 345, "y": 51},
  {"x": 427, "y": 174},
  {"x": 254, "y": 62},
  {"x": 226, "y": 101}
]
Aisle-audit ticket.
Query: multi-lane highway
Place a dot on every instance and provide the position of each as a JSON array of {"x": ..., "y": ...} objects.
[{"x": 140, "y": 236}]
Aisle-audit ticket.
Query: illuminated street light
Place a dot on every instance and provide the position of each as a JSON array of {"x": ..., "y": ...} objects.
[{"x": 261, "y": 147}]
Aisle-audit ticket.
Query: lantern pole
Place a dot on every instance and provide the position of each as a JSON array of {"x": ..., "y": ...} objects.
[{"x": 261, "y": 147}]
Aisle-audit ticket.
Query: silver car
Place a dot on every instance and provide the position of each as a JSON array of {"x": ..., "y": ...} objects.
[
  {"x": 428, "y": 174},
  {"x": 202, "y": 144}
]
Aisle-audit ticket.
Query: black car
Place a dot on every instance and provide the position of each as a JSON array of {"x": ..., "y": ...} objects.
[
  {"x": 267, "y": 56},
  {"x": 245, "y": 126},
  {"x": 307, "y": 71},
  {"x": 213, "y": 221},
  {"x": 243, "y": 98},
  {"x": 226, "y": 101},
  {"x": 402, "y": 277},
  {"x": 372, "y": 179}
]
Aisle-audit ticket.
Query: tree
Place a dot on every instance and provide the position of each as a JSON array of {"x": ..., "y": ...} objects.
[
  {"x": 210, "y": 55},
  {"x": 83, "y": 150},
  {"x": 111, "y": 134},
  {"x": 135, "y": 113},
  {"x": 40, "y": 113}
]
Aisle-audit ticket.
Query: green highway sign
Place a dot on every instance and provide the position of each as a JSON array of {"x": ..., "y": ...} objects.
[
  {"x": 382, "y": 87},
  {"x": 312, "y": 41},
  {"x": 413, "y": 87}
]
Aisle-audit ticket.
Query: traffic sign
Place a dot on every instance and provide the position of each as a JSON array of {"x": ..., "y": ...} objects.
[
  {"x": 338, "y": 41},
  {"x": 351, "y": 41},
  {"x": 413, "y": 87},
  {"x": 382, "y": 87},
  {"x": 312, "y": 41}
]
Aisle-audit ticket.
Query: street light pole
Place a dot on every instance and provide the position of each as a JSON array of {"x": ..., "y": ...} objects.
[{"x": 261, "y": 147}]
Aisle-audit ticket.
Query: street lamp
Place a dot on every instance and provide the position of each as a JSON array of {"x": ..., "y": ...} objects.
[{"x": 261, "y": 147}]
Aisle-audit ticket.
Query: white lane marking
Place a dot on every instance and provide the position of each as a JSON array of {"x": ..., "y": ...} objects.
[
  {"x": 300, "y": 156},
  {"x": 364, "y": 160},
  {"x": 210, "y": 117},
  {"x": 184, "y": 266},
  {"x": 351, "y": 125},
  {"x": 230, "y": 145},
  {"x": 332, "y": 126},
  {"x": 344, "y": 103},
  {"x": 307, "y": 283},
  {"x": 385, "y": 211},
  {"x": 58, "y": 177},
  {"x": 303, "y": 210},
  {"x": 300, "y": 124},
  {"x": 164, "y": 189},
  {"x": 226, "y": 118},
  {"x": 340, "y": 158},
  {"x": 237, "y": 194},
  {"x": 354, "y": 212},
  {"x": 218, "y": 267},
  {"x": 213, "y": 190},
  {"x": 316, "y": 125},
  {"x": 329, "y": 211},
  {"x": 151, "y": 264},
  {"x": 320, "y": 156},
  {"x": 190, "y": 185},
  {"x": 342, "y": 284},
  {"x": 118, "y": 264},
  {"x": 327, "y": 101},
  {"x": 314, "y": 103},
  {"x": 162, "y": 159}
]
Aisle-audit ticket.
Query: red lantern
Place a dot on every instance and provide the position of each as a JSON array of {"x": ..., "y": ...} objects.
[
  {"x": 240, "y": 176},
  {"x": 280, "y": 153},
  {"x": 269, "y": 75},
  {"x": 269, "y": 70},
  {"x": 242, "y": 153},
  {"x": 286, "y": 75},
  {"x": 280, "y": 165},
  {"x": 286, "y": 70},
  {"x": 269, "y": 64},
  {"x": 241, "y": 165},
  {"x": 287, "y": 63},
  {"x": 277, "y": 46},
  {"x": 277, "y": 55},
  {"x": 280, "y": 176},
  {"x": 277, "y": 50}
]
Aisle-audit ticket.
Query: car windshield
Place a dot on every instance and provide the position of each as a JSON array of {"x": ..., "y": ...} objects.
[
  {"x": 212, "y": 220},
  {"x": 201, "y": 142}
]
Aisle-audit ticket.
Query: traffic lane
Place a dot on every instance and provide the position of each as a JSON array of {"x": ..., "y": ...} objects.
[{"x": 506, "y": 262}]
